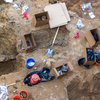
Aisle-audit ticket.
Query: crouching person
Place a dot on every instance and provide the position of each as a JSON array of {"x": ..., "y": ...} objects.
[{"x": 36, "y": 77}]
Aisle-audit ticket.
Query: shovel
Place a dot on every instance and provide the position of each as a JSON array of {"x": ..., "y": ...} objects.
[{"x": 50, "y": 51}]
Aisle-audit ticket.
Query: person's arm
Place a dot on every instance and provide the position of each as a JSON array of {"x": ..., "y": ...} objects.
[{"x": 48, "y": 79}]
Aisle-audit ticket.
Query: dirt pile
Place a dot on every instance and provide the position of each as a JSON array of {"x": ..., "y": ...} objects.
[
  {"x": 7, "y": 36},
  {"x": 2, "y": 1},
  {"x": 7, "y": 67}
]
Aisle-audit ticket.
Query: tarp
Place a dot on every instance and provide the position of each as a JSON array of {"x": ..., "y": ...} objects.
[
  {"x": 10, "y": 1},
  {"x": 58, "y": 14},
  {"x": 3, "y": 93}
]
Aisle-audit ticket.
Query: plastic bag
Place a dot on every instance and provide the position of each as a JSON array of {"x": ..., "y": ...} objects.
[
  {"x": 86, "y": 6},
  {"x": 80, "y": 24},
  {"x": 9, "y": 1},
  {"x": 3, "y": 93},
  {"x": 25, "y": 9},
  {"x": 91, "y": 14}
]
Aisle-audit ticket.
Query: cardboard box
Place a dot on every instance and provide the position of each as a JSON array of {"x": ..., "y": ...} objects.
[
  {"x": 98, "y": 34},
  {"x": 28, "y": 41},
  {"x": 90, "y": 38},
  {"x": 41, "y": 19},
  {"x": 58, "y": 65},
  {"x": 87, "y": 61},
  {"x": 58, "y": 14}
]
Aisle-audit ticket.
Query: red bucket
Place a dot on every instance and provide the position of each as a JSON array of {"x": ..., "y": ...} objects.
[
  {"x": 17, "y": 97},
  {"x": 24, "y": 94}
]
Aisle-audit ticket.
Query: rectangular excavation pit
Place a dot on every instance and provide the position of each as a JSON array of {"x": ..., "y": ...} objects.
[
  {"x": 93, "y": 37},
  {"x": 28, "y": 41},
  {"x": 58, "y": 65},
  {"x": 7, "y": 67},
  {"x": 41, "y": 19}
]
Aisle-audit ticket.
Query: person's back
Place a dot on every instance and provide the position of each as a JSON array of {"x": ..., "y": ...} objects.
[{"x": 36, "y": 77}]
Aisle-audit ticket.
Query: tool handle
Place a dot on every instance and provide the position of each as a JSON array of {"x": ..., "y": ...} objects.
[
  {"x": 55, "y": 37},
  {"x": 10, "y": 84}
]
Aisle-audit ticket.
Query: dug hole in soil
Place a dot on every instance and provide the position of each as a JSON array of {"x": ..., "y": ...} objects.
[{"x": 7, "y": 67}]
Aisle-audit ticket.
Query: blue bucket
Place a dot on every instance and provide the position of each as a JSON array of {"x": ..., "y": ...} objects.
[{"x": 30, "y": 62}]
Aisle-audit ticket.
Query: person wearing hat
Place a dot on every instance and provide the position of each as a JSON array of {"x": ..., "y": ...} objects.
[{"x": 36, "y": 77}]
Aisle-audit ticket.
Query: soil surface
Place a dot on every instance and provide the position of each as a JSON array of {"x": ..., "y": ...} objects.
[{"x": 81, "y": 83}]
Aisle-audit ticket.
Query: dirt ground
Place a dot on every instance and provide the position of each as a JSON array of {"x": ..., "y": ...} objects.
[{"x": 66, "y": 47}]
